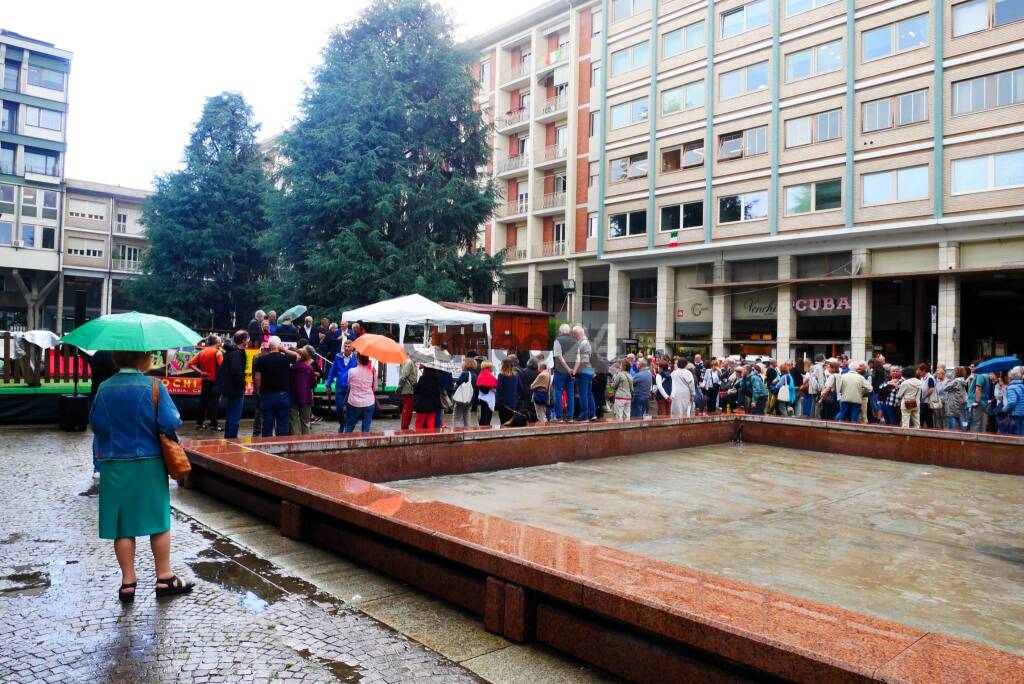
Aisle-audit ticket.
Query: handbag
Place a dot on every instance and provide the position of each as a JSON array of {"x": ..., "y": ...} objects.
[
  {"x": 175, "y": 460},
  {"x": 784, "y": 394},
  {"x": 464, "y": 393},
  {"x": 446, "y": 402},
  {"x": 540, "y": 397},
  {"x": 910, "y": 404}
]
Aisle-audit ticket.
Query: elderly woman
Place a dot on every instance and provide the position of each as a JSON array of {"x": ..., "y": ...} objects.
[{"x": 134, "y": 499}]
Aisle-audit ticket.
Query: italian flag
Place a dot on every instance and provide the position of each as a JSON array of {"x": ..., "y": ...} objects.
[{"x": 674, "y": 239}]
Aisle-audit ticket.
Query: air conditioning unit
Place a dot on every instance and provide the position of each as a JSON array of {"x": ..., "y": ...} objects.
[{"x": 17, "y": 243}]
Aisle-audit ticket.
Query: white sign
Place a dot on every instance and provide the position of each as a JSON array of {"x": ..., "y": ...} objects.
[
  {"x": 761, "y": 305},
  {"x": 935, "y": 320},
  {"x": 822, "y": 304}
]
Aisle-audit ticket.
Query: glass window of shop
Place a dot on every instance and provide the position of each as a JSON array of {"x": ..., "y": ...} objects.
[
  {"x": 822, "y": 313},
  {"x": 754, "y": 321},
  {"x": 692, "y": 329}
]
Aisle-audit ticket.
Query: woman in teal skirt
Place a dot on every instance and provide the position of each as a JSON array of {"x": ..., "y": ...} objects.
[{"x": 134, "y": 497}]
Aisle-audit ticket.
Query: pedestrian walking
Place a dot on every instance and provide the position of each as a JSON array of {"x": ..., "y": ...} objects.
[{"x": 128, "y": 416}]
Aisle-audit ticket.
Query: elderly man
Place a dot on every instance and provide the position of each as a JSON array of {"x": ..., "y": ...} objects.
[
  {"x": 853, "y": 388},
  {"x": 270, "y": 381},
  {"x": 565, "y": 357},
  {"x": 584, "y": 373},
  {"x": 338, "y": 377},
  {"x": 643, "y": 383},
  {"x": 1015, "y": 399},
  {"x": 255, "y": 329},
  {"x": 309, "y": 332}
]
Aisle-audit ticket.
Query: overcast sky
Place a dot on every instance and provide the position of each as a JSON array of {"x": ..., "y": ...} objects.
[{"x": 141, "y": 70}]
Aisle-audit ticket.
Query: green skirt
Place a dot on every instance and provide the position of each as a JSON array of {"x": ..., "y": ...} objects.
[{"x": 134, "y": 498}]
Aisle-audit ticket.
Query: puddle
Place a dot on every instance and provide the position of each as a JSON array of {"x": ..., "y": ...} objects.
[
  {"x": 343, "y": 672},
  {"x": 93, "y": 490},
  {"x": 24, "y": 582},
  {"x": 256, "y": 593}
]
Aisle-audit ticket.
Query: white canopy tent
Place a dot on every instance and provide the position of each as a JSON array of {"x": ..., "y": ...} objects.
[{"x": 416, "y": 309}]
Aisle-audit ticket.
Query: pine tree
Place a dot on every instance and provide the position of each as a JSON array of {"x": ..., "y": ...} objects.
[
  {"x": 382, "y": 169},
  {"x": 205, "y": 222}
]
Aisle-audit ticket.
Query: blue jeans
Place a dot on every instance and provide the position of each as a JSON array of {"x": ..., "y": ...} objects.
[
  {"x": 639, "y": 407},
  {"x": 890, "y": 415},
  {"x": 757, "y": 406},
  {"x": 1018, "y": 425},
  {"x": 234, "y": 416},
  {"x": 275, "y": 409},
  {"x": 563, "y": 382},
  {"x": 808, "y": 405},
  {"x": 849, "y": 412},
  {"x": 354, "y": 414},
  {"x": 341, "y": 405},
  {"x": 588, "y": 408}
]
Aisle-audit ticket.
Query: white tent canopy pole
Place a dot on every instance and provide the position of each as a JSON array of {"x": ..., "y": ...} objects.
[{"x": 416, "y": 309}]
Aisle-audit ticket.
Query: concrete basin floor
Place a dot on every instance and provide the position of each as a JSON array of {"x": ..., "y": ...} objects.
[{"x": 935, "y": 548}]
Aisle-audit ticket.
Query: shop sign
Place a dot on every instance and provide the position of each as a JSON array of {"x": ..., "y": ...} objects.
[
  {"x": 692, "y": 306},
  {"x": 755, "y": 306},
  {"x": 822, "y": 304}
]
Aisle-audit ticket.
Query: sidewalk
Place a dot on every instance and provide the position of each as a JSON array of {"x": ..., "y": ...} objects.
[{"x": 246, "y": 621}]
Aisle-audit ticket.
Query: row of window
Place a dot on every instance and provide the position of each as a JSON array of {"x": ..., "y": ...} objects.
[
  {"x": 38, "y": 76},
  {"x": 968, "y": 96},
  {"x": 45, "y": 162},
  {"x": 42, "y": 237},
  {"x": 999, "y": 171},
  {"x": 35, "y": 203},
  {"x": 34, "y": 116}
]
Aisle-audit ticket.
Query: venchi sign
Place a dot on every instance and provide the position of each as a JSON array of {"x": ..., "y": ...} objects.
[{"x": 823, "y": 304}]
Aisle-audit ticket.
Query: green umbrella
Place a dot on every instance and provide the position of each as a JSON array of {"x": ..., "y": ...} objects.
[{"x": 132, "y": 331}]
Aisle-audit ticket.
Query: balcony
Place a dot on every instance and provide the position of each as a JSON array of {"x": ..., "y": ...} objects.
[
  {"x": 552, "y": 61},
  {"x": 510, "y": 211},
  {"x": 518, "y": 74},
  {"x": 514, "y": 252},
  {"x": 551, "y": 203},
  {"x": 513, "y": 165},
  {"x": 552, "y": 155},
  {"x": 126, "y": 265},
  {"x": 513, "y": 121},
  {"x": 552, "y": 249},
  {"x": 553, "y": 107}
]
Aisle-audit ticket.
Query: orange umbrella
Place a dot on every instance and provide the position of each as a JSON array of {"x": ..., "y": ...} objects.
[{"x": 384, "y": 349}]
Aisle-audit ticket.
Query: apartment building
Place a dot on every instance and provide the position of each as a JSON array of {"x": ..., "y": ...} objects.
[
  {"x": 782, "y": 177},
  {"x": 103, "y": 245},
  {"x": 33, "y": 127}
]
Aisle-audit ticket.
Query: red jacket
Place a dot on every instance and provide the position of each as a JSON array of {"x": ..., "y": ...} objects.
[{"x": 486, "y": 379}]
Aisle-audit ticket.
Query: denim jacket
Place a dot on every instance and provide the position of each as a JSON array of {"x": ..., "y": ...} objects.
[{"x": 123, "y": 421}]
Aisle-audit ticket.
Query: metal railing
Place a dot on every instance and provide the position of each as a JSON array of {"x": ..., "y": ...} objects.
[
  {"x": 552, "y": 249},
  {"x": 515, "y": 253},
  {"x": 553, "y": 152},
  {"x": 552, "y": 200},
  {"x": 519, "y": 161},
  {"x": 512, "y": 118},
  {"x": 554, "y": 104},
  {"x": 126, "y": 265},
  {"x": 515, "y": 207},
  {"x": 518, "y": 70}
]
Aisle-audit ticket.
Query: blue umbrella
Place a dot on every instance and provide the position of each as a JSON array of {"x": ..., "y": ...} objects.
[{"x": 997, "y": 365}]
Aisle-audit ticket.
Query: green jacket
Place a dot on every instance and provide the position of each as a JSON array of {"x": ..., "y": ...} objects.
[{"x": 407, "y": 377}]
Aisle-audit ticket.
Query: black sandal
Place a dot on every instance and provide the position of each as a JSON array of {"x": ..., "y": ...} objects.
[
  {"x": 174, "y": 587},
  {"x": 127, "y": 597}
]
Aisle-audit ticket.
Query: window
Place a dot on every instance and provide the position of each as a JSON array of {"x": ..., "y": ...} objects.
[
  {"x": 594, "y": 123},
  {"x": 743, "y": 144},
  {"x": 6, "y": 199},
  {"x": 594, "y": 170},
  {"x": 817, "y": 128},
  {"x": 49, "y": 235},
  {"x": 84, "y": 247},
  {"x": 892, "y": 38},
  {"x": 813, "y": 61},
  {"x": 988, "y": 92},
  {"x": 679, "y": 41},
  {"x": 979, "y": 15},
  {"x": 45, "y": 78},
  {"x": 131, "y": 255},
  {"x": 685, "y": 156},
  {"x": 624, "y": 9},
  {"x": 49, "y": 204},
  {"x": 9, "y": 117},
  {"x": 6, "y": 232},
  {"x": 524, "y": 99},
  {"x": 595, "y": 23},
  {"x": 631, "y": 58},
  {"x": 799, "y": 6},
  {"x": 28, "y": 202},
  {"x": 522, "y": 146},
  {"x": 525, "y": 59},
  {"x": 910, "y": 108},
  {"x": 28, "y": 235},
  {"x": 689, "y": 96},
  {"x": 819, "y": 196},
  {"x": 747, "y": 18},
  {"x": 900, "y": 185},
  {"x": 686, "y": 215},
  {"x": 624, "y": 225},
  {"x": 629, "y": 113},
  {"x": 746, "y": 80},
  {"x": 591, "y": 225},
  {"x": 122, "y": 222},
  {"x": 750, "y": 206},
  {"x": 41, "y": 161},
  {"x": 7, "y": 158},
  {"x": 485, "y": 74},
  {"x": 43, "y": 118},
  {"x": 628, "y": 168},
  {"x": 96, "y": 211},
  {"x": 12, "y": 70},
  {"x": 989, "y": 172}
]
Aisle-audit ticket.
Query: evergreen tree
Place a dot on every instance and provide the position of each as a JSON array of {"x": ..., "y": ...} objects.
[
  {"x": 204, "y": 224},
  {"x": 382, "y": 169}
]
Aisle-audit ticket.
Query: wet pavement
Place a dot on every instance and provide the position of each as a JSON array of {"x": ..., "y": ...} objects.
[
  {"x": 935, "y": 548},
  {"x": 248, "y": 620}
]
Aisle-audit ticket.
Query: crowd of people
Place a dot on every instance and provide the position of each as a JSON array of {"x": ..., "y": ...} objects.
[{"x": 575, "y": 383}]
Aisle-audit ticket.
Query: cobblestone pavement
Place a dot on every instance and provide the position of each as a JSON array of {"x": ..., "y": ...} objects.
[{"x": 247, "y": 621}]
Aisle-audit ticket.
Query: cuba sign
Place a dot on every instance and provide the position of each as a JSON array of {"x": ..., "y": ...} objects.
[{"x": 822, "y": 304}]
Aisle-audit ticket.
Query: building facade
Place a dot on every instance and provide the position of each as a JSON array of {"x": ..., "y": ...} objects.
[
  {"x": 783, "y": 177},
  {"x": 33, "y": 129}
]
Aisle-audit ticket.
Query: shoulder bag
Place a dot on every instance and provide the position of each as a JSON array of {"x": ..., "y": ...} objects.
[{"x": 174, "y": 456}]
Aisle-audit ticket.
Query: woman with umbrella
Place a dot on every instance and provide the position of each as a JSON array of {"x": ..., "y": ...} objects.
[{"x": 128, "y": 416}]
